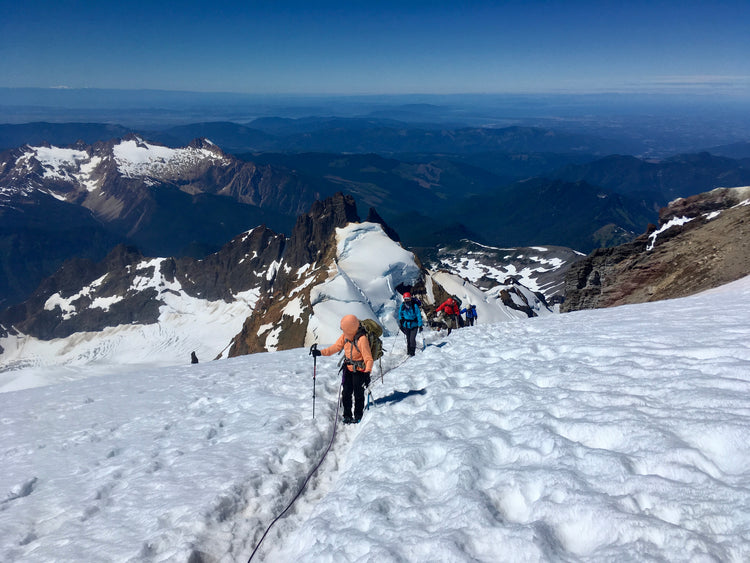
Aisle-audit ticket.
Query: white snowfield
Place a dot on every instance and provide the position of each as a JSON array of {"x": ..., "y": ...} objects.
[
  {"x": 137, "y": 158},
  {"x": 368, "y": 268},
  {"x": 185, "y": 324},
  {"x": 605, "y": 435}
]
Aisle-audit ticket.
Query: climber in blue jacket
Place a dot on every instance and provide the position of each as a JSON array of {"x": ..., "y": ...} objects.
[{"x": 410, "y": 322}]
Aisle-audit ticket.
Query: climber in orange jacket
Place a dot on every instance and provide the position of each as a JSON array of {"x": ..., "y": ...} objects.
[{"x": 356, "y": 367}]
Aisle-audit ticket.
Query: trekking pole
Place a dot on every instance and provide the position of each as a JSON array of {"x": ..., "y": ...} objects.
[{"x": 315, "y": 370}]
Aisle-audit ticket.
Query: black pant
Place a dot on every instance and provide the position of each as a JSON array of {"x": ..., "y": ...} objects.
[
  {"x": 354, "y": 382},
  {"x": 411, "y": 339}
]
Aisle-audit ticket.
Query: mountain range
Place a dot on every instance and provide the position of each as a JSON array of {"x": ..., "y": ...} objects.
[
  {"x": 264, "y": 291},
  {"x": 189, "y": 200},
  {"x": 261, "y": 292},
  {"x": 82, "y": 200}
]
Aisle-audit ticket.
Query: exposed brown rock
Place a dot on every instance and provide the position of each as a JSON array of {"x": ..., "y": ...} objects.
[
  {"x": 704, "y": 253},
  {"x": 313, "y": 243}
]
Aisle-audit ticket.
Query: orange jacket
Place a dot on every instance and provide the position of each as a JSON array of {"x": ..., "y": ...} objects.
[{"x": 361, "y": 358}]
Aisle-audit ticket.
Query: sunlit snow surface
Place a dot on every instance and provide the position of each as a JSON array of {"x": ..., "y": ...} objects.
[
  {"x": 368, "y": 268},
  {"x": 137, "y": 158},
  {"x": 607, "y": 435}
]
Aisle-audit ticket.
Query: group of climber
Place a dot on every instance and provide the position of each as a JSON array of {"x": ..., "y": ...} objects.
[
  {"x": 358, "y": 359},
  {"x": 450, "y": 311}
]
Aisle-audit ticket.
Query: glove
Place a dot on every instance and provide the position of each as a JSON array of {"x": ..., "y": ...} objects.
[
  {"x": 366, "y": 378},
  {"x": 314, "y": 352},
  {"x": 420, "y": 329}
]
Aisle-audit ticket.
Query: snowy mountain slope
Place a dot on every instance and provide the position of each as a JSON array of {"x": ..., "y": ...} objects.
[
  {"x": 611, "y": 434},
  {"x": 89, "y": 167},
  {"x": 539, "y": 268},
  {"x": 344, "y": 265},
  {"x": 132, "y": 309},
  {"x": 185, "y": 324},
  {"x": 258, "y": 288},
  {"x": 361, "y": 285}
]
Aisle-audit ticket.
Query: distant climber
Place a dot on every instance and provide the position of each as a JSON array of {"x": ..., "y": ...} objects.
[
  {"x": 471, "y": 314},
  {"x": 193, "y": 358},
  {"x": 450, "y": 312},
  {"x": 410, "y": 322}
]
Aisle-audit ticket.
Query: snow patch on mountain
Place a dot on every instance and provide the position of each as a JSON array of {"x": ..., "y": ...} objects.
[
  {"x": 368, "y": 268},
  {"x": 185, "y": 324},
  {"x": 674, "y": 222},
  {"x": 67, "y": 305},
  {"x": 57, "y": 161},
  {"x": 136, "y": 158}
]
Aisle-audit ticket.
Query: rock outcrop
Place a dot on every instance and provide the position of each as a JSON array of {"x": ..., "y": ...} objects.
[
  {"x": 703, "y": 242},
  {"x": 309, "y": 255}
]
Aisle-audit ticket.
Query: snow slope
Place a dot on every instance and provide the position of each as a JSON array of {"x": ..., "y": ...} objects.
[
  {"x": 604, "y": 435},
  {"x": 185, "y": 324},
  {"x": 137, "y": 158},
  {"x": 369, "y": 266}
]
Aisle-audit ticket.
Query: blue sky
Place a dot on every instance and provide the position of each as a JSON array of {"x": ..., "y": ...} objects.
[{"x": 321, "y": 47}]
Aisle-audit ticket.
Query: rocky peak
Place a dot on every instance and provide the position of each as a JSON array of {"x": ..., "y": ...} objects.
[
  {"x": 248, "y": 261},
  {"x": 310, "y": 253},
  {"x": 313, "y": 231},
  {"x": 206, "y": 144},
  {"x": 702, "y": 242}
]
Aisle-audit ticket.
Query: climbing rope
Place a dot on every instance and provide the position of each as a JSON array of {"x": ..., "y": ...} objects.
[
  {"x": 302, "y": 488},
  {"x": 317, "y": 466}
]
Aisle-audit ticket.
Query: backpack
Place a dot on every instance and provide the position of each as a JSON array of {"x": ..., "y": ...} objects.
[
  {"x": 457, "y": 300},
  {"x": 373, "y": 331}
]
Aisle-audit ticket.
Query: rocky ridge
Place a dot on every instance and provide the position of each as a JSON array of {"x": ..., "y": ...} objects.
[
  {"x": 310, "y": 252},
  {"x": 703, "y": 241},
  {"x": 128, "y": 288},
  {"x": 110, "y": 178}
]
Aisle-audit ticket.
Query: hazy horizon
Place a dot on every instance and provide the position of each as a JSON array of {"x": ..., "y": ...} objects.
[{"x": 390, "y": 48}]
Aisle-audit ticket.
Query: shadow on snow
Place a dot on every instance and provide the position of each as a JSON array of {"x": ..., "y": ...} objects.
[{"x": 398, "y": 396}]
